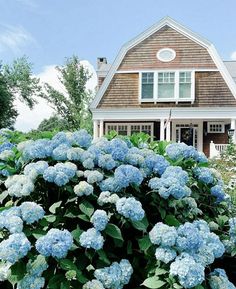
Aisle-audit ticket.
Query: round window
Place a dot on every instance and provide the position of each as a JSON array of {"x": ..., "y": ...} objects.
[{"x": 166, "y": 54}]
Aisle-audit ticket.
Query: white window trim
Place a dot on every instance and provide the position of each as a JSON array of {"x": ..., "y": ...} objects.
[
  {"x": 216, "y": 123},
  {"x": 176, "y": 99},
  {"x": 128, "y": 124},
  {"x": 158, "y": 55}
]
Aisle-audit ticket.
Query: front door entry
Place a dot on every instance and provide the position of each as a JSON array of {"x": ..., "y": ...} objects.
[{"x": 187, "y": 135}]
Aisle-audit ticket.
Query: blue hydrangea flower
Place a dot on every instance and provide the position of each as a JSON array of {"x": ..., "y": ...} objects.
[
  {"x": 218, "y": 192},
  {"x": 13, "y": 224},
  {"x": 115, "y": 276},
  {"x": 74, "y": 154},
  {"x": 219, "y": 280},
  {"x": 189, "y": 272},
  {"x": 4, "y": 270},
  {"x": 99, "y": 220},
  {"x": 135, "y": 159},
  {"x": 35, "y": 169},
  {"x": 110, "y": 184},
  {"x": 107, "y": 198},
  {"x": 130, "y": 208},
  {"x": 31, "y": 281},
  {"x": 14, "y": 248},
  {"x": 177, "y": 151},
  {"x": 6, "y": 146},
  {"x": 37, "y": 267},
  {"x": 61, "y": 179},
  {"x": 67, "y": 168},
  {"x": 165, "y": 254},
  {"x": 94, "y": 284},
  {"x": 119, "y": 149},
  {"x": 82, "y": 138},
  {"x": 94, "y": 177},
  {"x": 177, "y": 173},
  {"x": 156, "y": 163},
  {"x": 106, "y": 162},
  {"x": 19, "y": 185},
  {"x": 92, "y": 239},
  {"x": 31, "y": 212},
  {"x": 163, "y": 235},
  {"x": 55, "y": 243},
  {"x": 60, "y": 152},
  {"x": 50, "y": 174},
  {"x": 204, "y": 175},
  {"x": 39, "y": 149},
  {"x": 126, "y": 175},
  {"x": 83, "y": 189}
]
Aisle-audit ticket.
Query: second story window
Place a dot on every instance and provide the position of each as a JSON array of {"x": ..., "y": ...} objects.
[
  {"x": 166, "y": 85},
  {"x": 147, "y": 85}
]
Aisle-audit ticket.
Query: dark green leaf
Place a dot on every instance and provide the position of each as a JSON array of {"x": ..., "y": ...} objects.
[
  {"x": 55, "y": 281},
  {"x": 172, "y": 221},
  {"x": 54, "y": 207},
  {"x": 113, "y": 231},
  {"x": 141, "y": 225},
  {"x": 144, "y": 243},
  {"x": 86, "y": 208},
  {"x": 67, "y": 265},
  {"x": 153, "y": 282}
]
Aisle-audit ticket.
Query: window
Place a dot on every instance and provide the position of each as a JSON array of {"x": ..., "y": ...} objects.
[
  {"x": 129, "y": 128},
  {"x": 185, "y": 85},
  {"x": 147, "y": 85},
  {"x": 166, "y": 54},
  {"x": 215, "y": 127},
  {"x": 166, "y": 85}
]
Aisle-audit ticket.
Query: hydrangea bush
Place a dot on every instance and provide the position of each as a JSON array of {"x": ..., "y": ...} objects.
[{"x": 112, "y": 213}]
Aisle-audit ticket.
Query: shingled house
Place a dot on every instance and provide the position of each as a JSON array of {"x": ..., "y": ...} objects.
[{"x": 170, "y": 83}]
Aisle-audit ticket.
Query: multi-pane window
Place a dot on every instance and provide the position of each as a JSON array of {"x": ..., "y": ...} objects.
[
  {"x": 166, "y": 85},
  {"x": 185, "y": 85},
  {"x": 147, "y": 85},
  {"x": 215, "y": 127},
  {"x": 130, "y": 128}
]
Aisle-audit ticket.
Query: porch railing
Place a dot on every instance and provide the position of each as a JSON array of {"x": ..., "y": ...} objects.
[{"x": 216, "y": 149}]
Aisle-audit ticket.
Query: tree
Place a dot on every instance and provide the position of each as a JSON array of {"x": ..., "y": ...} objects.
[
  {"x": 73, "y": 104},
  {"x": 54, "y": 123},
  {"x": 16, "y": 80}
]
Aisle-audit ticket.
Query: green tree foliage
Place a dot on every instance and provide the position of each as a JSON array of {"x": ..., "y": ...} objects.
[
  {"x": 54, "y": 123},
  {"x": 73, "y": 104},
  {"x": 16, "y": 80}
]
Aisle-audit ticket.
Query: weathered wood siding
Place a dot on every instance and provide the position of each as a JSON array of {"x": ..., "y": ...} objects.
[
  {"x": 210, "y": 90},
  {"x": 189, "y": 54}
]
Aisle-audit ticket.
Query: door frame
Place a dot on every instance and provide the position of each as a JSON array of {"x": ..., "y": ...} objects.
[{"x": 198, "y": 123}]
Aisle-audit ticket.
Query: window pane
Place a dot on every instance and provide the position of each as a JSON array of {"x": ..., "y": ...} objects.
[
  {"x": 166, "y": 90},
  {"x": 135, "y": 129},
  {"x": 122, "y": 130},
  {"x": 147, "y": 91},
  {"x": 185, "y": 90}
]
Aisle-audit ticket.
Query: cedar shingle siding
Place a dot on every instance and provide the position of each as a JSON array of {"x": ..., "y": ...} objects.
[{"x": 189, "y": 54}]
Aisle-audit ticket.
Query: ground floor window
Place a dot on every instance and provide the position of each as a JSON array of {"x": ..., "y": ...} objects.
[{"x": 129, "y": 128}]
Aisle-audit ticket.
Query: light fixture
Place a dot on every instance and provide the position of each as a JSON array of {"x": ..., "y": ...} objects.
[{"x": 231, "y": 132}]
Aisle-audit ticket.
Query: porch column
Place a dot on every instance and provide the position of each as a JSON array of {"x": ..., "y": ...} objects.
[
  {"x": 101, "y": 131},
  {"x": 95, "y": 129},
  {"x": 162, "y": 130},
  {"x": 233, "y": 126},
  {"x": 168, "y": 131}
]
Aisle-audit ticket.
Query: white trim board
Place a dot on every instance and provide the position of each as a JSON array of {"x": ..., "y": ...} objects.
[
  {"x": 181, "y": 29},
  {"x": 157, "y": 113}
]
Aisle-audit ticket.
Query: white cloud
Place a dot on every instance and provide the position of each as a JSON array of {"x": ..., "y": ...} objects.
[
  {"x": 14, "y": 38},
  {"x": 233, "y": 55},
  {"x": 30, "y": 119}
]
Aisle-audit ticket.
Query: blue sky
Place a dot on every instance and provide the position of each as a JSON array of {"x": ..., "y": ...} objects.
[{"x": 47, "y": 31}]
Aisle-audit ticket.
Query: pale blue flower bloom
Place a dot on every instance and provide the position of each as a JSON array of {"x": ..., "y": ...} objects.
[
  {"x": 100, "y": 220},
  {"x": 115, "y": 276},
  {"x": 189, "y": 272},
  {"x": 130, "y": 208},
  {"x": 55, "y": 243},
  {"x": 83, "y": 189},
  {"x": 74, "y": 154},
  {"x": 13, "y": 224},
  {"x": 82, "y": 138},
  {"x": 60, "y": 152},
  {"x": 31, "y": 212},
  {"x": 94, "y": 177},
  {"x": 165, "y": 254},
  {"x": 106, "y": 162},
  {"x": 92, "y": 239},
  {"x": 204, "y": 175},
  {"x": 163, "y": 235},
  {"x": 94, "y": 284},
  {"x": 126, "y": 175},
  {"x": 31, "y": 281},
  {"x": 14, "y": 248},
  {"x": 156, "y": 163},
  {"x": 119, "y": 149},
  {"x": 218, "y": 192},
  {"x": 219, "y": 280}
]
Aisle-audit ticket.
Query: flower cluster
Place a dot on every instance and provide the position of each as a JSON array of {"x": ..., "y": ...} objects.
[
  {"x": 99, "y": 220},
  {"x": 171, "y": 183},
  {"x": 83, "y": 189},
  {"x": 33, "y": 277},
  {"x": 55, "y": 243},
  {"x": 94, "y": 284},
  {"x": 19, "y": 185},
  {"x": 60, "y": 174},
  {"x": 204, "y": 175},
  {"x": 219, "y": 280},
  {"x": 107, "y": 198},
  {"x": 192, "y": 247},
  {"x": 115, "y": 276},
  {"x": 92, "y": 238},
  {"x": 14, "y": 248},
  {"x": 177, "y": 151},
  {"x": 130, "y": 208}
]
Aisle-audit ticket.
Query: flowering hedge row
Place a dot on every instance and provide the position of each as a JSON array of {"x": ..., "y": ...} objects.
[{"x": 118, "y": 213}]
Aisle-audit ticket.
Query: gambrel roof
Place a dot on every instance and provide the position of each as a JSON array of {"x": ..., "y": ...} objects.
[{"x": 167, "y": 21}]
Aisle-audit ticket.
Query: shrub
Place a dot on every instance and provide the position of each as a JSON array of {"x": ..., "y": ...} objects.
[{"x": 117, "y": 213}]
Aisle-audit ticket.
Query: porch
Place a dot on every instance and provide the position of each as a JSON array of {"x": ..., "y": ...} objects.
[{"x": 207, "y": 135}]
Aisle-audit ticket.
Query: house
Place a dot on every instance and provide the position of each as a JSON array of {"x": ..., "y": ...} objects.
[{"x": 170, "y": 83}]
